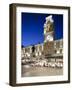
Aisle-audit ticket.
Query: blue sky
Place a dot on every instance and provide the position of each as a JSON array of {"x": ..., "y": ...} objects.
[{"x": 32, "y": 27}]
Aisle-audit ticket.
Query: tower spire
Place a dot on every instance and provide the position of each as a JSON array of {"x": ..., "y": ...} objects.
[{"x": 48, "y": 29}]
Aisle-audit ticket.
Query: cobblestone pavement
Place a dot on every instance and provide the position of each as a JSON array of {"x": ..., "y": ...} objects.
[{"x": 40, "y": 71}]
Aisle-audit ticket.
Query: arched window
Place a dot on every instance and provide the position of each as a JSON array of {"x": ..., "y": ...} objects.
[
  {"x": 55, "y": 51},
  {"x": 60, "y": 50},
  {"x": 33, "y": 49}
]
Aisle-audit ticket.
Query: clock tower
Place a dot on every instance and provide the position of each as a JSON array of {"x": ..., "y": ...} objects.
[{"x": 49, "y": 29}]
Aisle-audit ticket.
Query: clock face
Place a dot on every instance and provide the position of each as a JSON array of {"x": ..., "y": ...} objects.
[{"x": 49, "y": 38}]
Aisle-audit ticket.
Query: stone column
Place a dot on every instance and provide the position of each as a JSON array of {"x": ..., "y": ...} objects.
[
  {"x": 30, "y": 49},
  {"x": 42, "y": 47}
]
